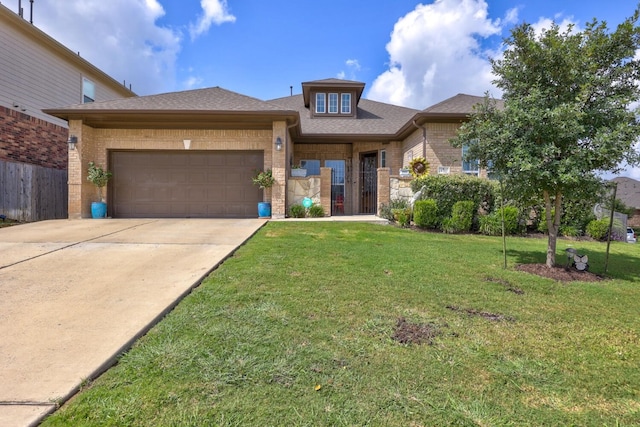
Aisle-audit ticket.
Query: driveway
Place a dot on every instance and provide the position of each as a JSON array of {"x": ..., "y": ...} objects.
[{"x": 74, "y": 294}]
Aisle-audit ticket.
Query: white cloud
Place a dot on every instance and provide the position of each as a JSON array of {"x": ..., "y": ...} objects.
[
  {"x": 353, "y": 66},
  {"x": 546, "y": 23},
  {"x": 192, "y": 82},
  {"x": 435, "y": 53},
  {"x": 215, "y": 12},
  {"x": 120, "y": 37}
]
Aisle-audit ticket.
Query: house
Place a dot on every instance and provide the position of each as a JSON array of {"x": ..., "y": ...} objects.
[
  {"x": 629, "y": 193},
  {"x": 193, "y": 153},
  {"x": 37, "y": 72}
]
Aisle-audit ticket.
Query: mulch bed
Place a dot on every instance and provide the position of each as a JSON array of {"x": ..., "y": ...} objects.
[{"x": 559, "y": 273}]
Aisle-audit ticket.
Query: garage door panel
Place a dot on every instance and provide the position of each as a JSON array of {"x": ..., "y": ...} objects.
[{"x": 185, "y": 184}]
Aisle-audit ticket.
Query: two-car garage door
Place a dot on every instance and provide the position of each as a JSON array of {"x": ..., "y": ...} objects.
[{"x": 185, "y": 184}]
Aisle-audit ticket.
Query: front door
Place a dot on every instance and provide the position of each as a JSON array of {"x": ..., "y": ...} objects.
[{"x": 369, "y": 183}]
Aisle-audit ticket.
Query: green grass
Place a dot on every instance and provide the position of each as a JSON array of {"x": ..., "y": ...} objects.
[{"x": 295, "y": 330}]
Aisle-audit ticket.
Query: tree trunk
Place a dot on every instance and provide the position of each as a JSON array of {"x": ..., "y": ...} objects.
[{"x": 553, "y": 224}]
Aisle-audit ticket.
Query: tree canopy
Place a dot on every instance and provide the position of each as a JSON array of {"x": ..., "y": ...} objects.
[{"x": 567, "y": 112}]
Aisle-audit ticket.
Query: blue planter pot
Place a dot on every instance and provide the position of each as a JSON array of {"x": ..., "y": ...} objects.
[
  {"x": 264, "y": 210},
  {"x": 98, "y": 210}
]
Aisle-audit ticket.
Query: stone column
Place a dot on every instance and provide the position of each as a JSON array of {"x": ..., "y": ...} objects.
[
  {"x": 325, "y": 190},
  {"x": 384, "y": 188}
]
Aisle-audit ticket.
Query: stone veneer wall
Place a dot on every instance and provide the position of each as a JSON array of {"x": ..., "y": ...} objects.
[
  {"x": 299, "y": 188},
  {"x": 400, "y": 188}
]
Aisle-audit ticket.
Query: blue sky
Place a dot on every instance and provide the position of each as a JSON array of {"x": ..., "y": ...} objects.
[{"x": 406, "y": 52}]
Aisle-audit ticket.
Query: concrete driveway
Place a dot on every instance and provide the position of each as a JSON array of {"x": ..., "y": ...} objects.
[{"x": 74, "y": 294}]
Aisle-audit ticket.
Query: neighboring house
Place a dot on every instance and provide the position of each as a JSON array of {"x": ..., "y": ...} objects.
[
  {"x": 37, "y": 72},
  {"x": 629, "y": 193},
  {"x": 193, "y": 153}
]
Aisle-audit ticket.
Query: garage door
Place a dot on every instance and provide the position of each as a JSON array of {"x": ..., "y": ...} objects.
[{"x": 185, "y": 184}]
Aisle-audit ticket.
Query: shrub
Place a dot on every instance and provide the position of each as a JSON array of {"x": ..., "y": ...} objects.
[
  {"x": 570, "y": 231},
  {"x": 425, "y": 213},
  {"x": 402, "y": 216},
  {"x": 446, "y": 190},
  {"x": 491, "y": 224},
  {"x": 461, "y": 218},
  {"x": 386, "y": 211},
  {"x": 316, "y": 211},
  {"x": 598, "y": 229},
  {"x": 297, "y": 211}
]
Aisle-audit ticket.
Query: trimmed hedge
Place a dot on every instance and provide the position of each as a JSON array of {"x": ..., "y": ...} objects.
[
  {"x": 446, "y": 190},
  {"x": 598, "y": 229},
  {"x": 461, "y": 218},
  {"x": 491, "y": 224},
  {"x": 425, "y": 213}
]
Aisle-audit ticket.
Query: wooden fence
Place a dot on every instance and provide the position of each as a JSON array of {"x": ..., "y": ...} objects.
[{"x": 32, "y": 193}]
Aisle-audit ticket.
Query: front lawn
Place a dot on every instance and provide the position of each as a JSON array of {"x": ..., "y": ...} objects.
[{"x": 350, "y": 324}]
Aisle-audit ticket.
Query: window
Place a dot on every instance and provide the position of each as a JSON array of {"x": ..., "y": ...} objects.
[
  {"x": 345, "y": 104},
  {"x": 321, "y": 103},
  {"x": 470, "y": 167},
  {"x": 312, "y": 166},
  {"x": 383, "y": 158},
  {"x": 333, "y": 103},
  {"x": 88, "y": 91}
]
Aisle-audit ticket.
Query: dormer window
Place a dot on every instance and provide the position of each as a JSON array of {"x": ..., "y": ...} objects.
[
  {"x": 333, "y": 103},
  {"x": 321, "y": 103},
  {"x": 332, "y": 98},
  {"x": 346, "y": 103}
]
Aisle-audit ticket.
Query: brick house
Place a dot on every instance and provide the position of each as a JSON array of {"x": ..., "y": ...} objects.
[
  {"x": 629, "y": 193},
  {"x": 37, "y": 72},
  {"x": 193, "y": 153}
]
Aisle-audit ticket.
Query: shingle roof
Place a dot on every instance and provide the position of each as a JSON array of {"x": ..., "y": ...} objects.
[
  {"x": 373, "y": 118},
  {"x": 210, "y": 99},
  {"x": 628, "y": 191},
  {"x": 459, "y": 104}
]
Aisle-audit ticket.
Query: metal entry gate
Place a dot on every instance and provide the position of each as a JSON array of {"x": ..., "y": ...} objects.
[{"x": 369, "y": 183}]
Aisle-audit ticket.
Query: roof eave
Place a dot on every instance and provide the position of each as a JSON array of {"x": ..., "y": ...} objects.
[{"x": 173, "y": 118}]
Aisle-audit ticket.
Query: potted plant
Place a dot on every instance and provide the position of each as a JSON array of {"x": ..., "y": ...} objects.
[
  {"x": 298, "y": 171},
  {"x": 264, "y": 180},
  {"x": 98, "y": 177}
]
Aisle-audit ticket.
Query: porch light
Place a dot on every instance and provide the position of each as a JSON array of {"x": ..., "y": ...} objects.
[
  {"x": 278, "y": 144},
  {"x": 72, "y": 141}
]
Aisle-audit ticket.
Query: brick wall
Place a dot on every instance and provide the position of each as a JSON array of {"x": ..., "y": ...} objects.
[
  {"x": 94, "y": 144},
  {"x": 26, "y": 139}
]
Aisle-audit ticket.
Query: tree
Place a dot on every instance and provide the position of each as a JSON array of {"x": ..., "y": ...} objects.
[{"x": 566, "y": 113}]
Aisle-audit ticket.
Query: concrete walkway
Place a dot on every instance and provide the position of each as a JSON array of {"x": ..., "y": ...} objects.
[{"x": 74, "y": 294}]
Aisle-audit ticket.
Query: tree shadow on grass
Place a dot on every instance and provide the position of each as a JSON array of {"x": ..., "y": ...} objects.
[{"x": 620, "y": 266}]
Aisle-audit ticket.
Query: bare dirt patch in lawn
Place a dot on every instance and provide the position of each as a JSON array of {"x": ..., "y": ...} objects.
[
  {"x": 415, "y": 333},
  {"x": 484, "y": 314},
  {"x": 559, "y": 273}
]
